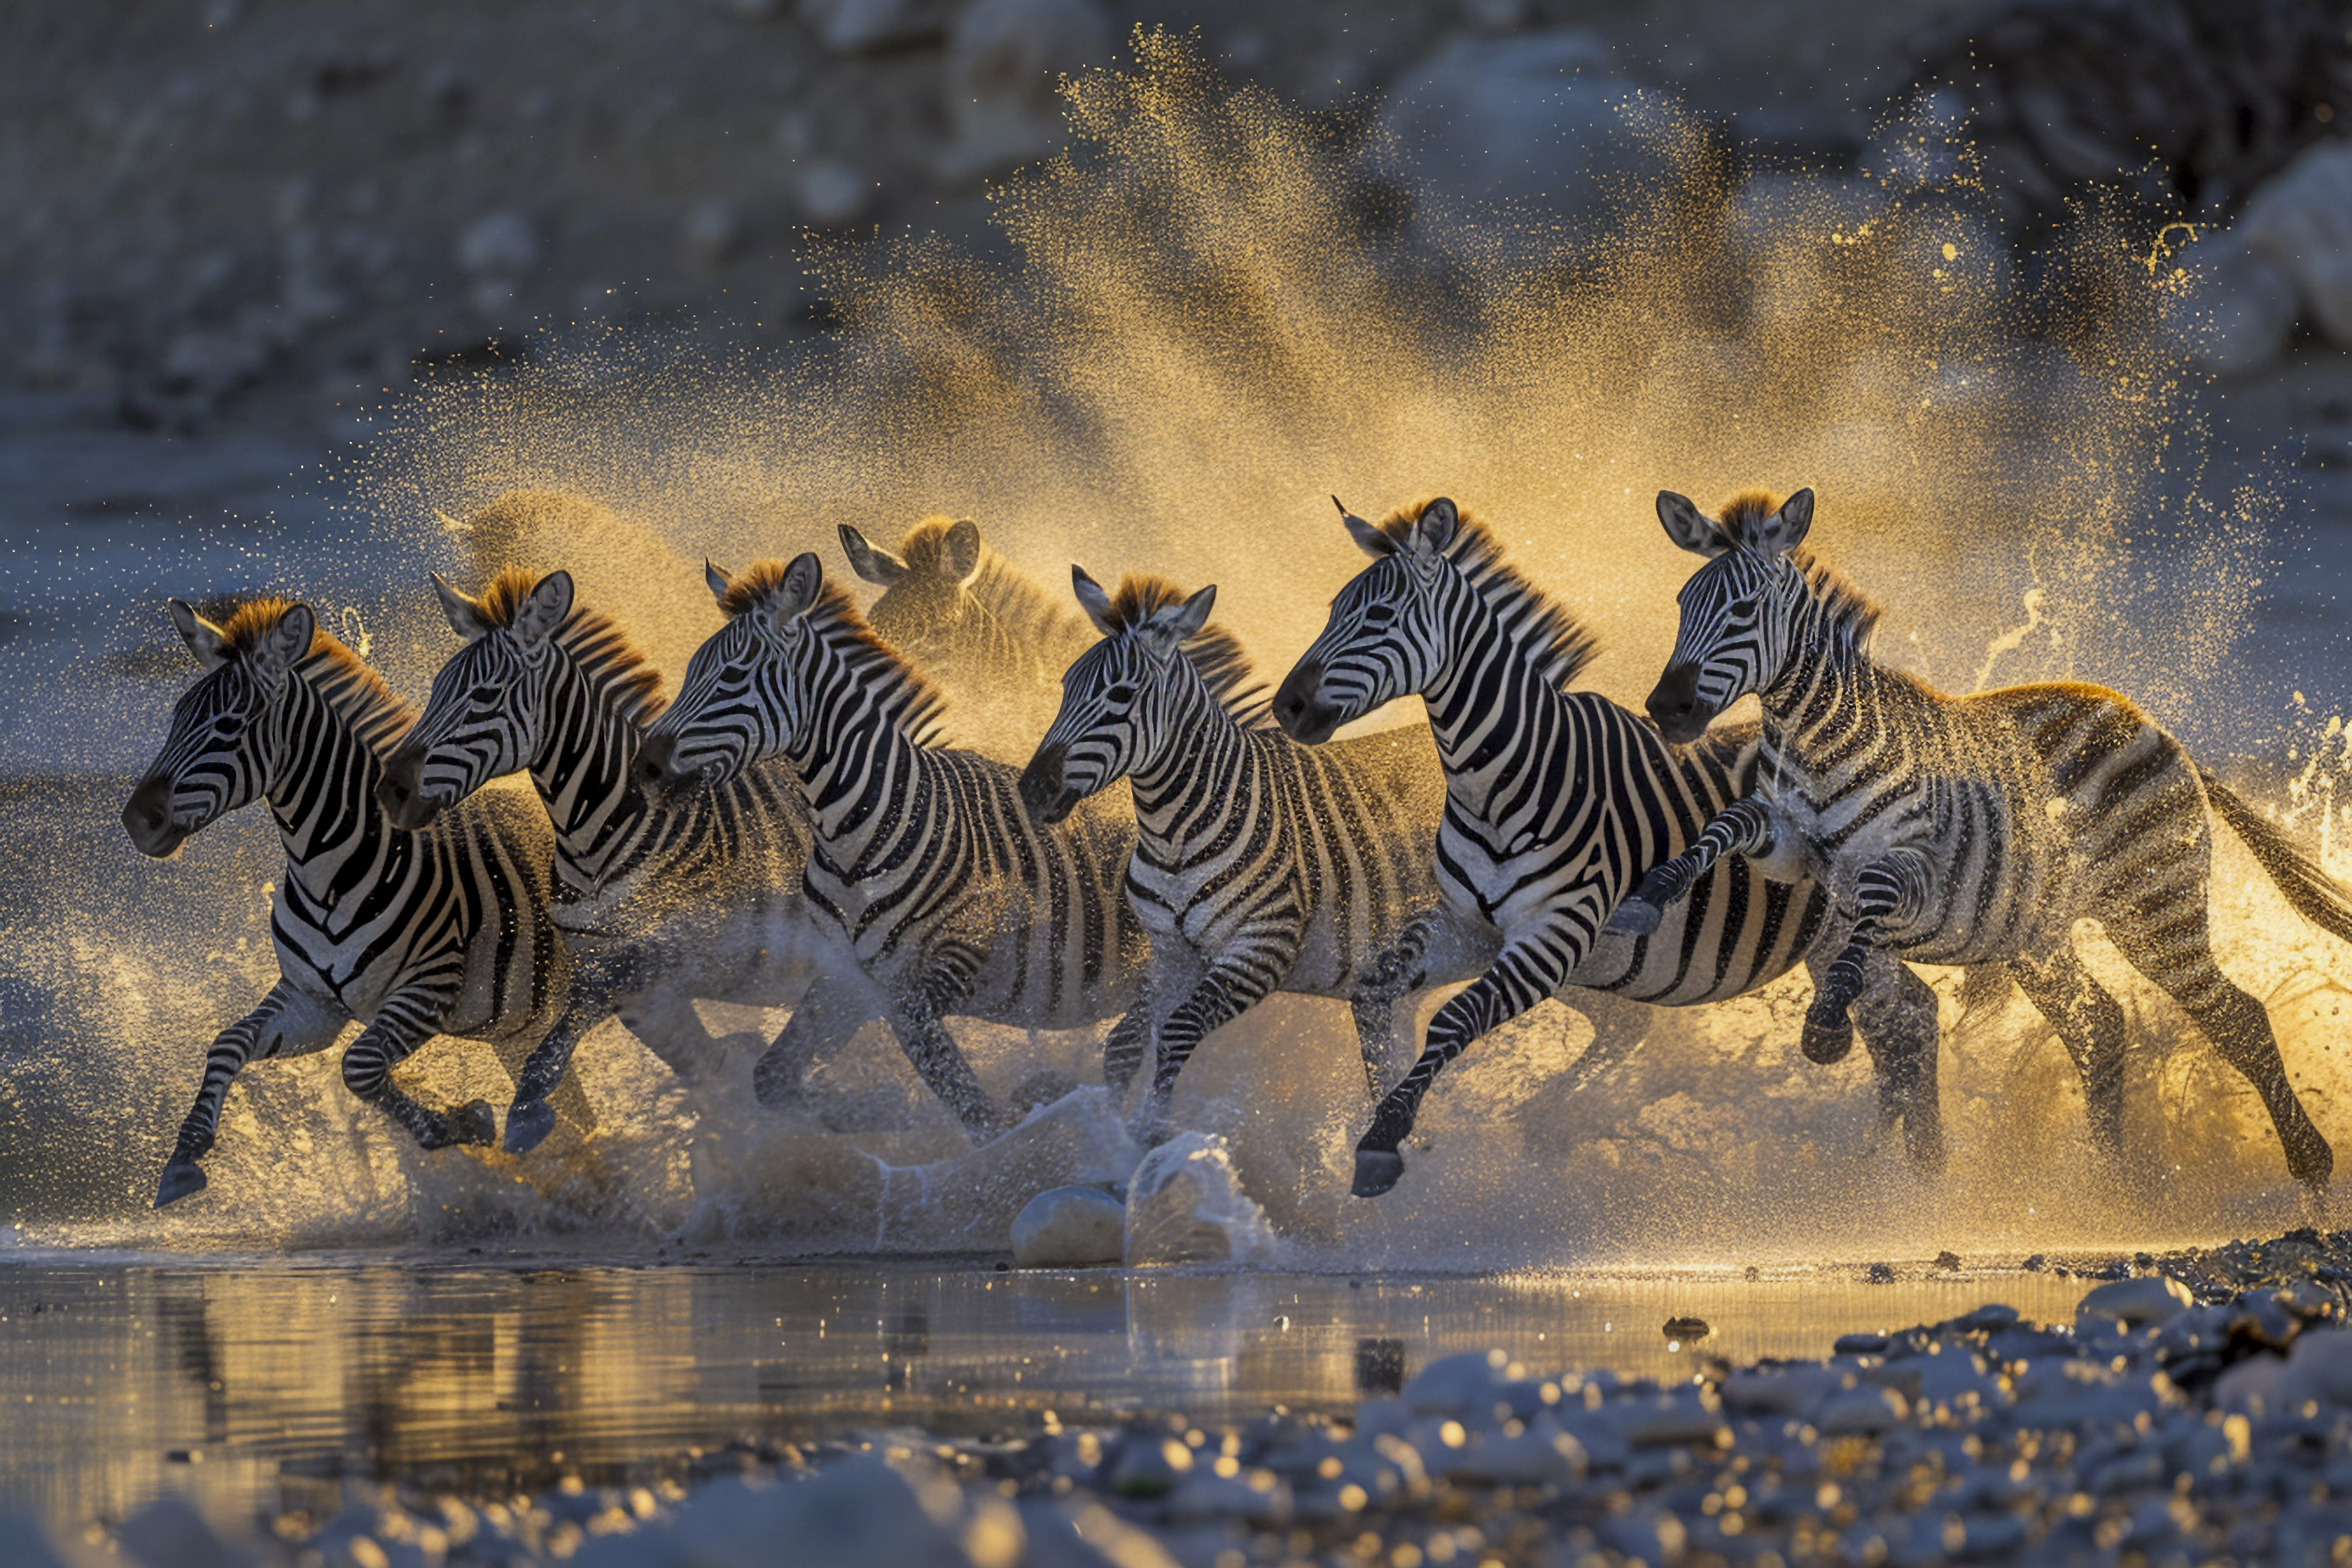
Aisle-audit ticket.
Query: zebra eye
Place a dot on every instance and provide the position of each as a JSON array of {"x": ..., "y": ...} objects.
[
  {"x": 1121, "y": 693},
  {"x": 1742, "y": 608},
  {"x": 1378, "y": 615},
  {"x": 483, "y": 696}
]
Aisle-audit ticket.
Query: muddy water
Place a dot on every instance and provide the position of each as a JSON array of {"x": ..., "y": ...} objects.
[{"x": 262, "y": 1387}]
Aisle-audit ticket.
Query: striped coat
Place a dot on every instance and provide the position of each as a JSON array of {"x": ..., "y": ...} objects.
[
  {"x": 923, "y": 867},
  {"x": 409, "y": 934},
  {"x": 1964, "y": 830},
  {"x": 1557, "y": 801}
]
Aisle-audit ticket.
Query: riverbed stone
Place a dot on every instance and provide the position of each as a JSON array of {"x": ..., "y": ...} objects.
[
  {"x": 2132, "y": 1304},
  {"x": 1070, "y": 1227}
]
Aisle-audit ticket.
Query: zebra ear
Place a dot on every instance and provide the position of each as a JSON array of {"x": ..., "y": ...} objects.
[
  {"x": 871, "y": 562},
  {"x": 1690, "y": 528},
  {"x": 804, "y": 580},
  {"x": 204, "y": 638},
  {"x": 963, "y": 551},
  {"x": 1368, "y": 540},
  {"x": 1786, "y": 529},
  {"x": 543, "y": 609},
  {"x": 465, "y": 614},
  {"x": 721, "y": 584},
  {"x": 1094, "y": 600},
  {"x": 285, "y": 644},
  {"x": 1434, "y": 531},
  {"x": 1187, "y": 618}
]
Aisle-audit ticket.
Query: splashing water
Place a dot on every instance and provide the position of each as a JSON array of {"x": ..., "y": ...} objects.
[{"x": 1211, "y": 313}]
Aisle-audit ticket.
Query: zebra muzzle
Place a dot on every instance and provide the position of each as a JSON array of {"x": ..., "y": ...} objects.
[
  {"x": 1675, "y": 706},
  {"x": 402, "y": 798},
  {"x": 1299, "y": 706},
  {"x": 147, "y": 818},
  {"x": 1044, "y": 788}
]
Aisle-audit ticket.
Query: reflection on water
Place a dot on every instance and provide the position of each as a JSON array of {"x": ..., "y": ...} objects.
[{"x": 261, "y": 1388}]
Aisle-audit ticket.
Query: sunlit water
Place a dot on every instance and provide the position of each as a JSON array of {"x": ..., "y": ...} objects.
[{"x": 261, "y": 1388}]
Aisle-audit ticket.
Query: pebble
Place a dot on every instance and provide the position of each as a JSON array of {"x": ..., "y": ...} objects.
[
  {"x": 2132, "y": 1304},
  {"x": 1070, "y": 1227}
]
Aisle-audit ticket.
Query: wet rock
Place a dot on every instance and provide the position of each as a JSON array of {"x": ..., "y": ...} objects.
[
  {"x": 499, "y": 245},
  {"x": 1185, "y": 1205},
  {"x": 1542, "y": 1454},
  {"x": 1859, "y": 1344},
  {"x": 1879, "y": 1274},
  {"x": 1863, "y": 1411},
  {"x": 1779, "y": 1391},
  {"x": 1947, "y": 1261},
  {"x": 168, "y": 1533},
  {"x": 1004, "y": 62},
  {"x": 1150, "y": 1465},
  {"x": 714, "y": 232},
  {"x": 2131, "y": 1304},
  {"x": 832, "y": 193},
  {"x": 1070, "y": 1227},
  {"x": 2320, "y": 1367},
  {"x": 856, "y": 1510},
  {"x": 1538, "y": 119},
  {"x": 1688, "y": 1331},
  {"x": 1208, "y": 1499}
]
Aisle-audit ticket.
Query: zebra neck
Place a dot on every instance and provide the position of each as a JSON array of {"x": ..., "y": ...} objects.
[
  {"x": 1830, "y": 694},
  {"x": 1485, "y": 696},
  {"x": 1199, "y": 771},
  {"x": 582, "y": 773},
  {"x": 858, "y": 772},
  {"x": 322, "y": 794}
]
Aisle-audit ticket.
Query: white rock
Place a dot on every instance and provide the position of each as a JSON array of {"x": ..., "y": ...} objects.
[
  {"x": 1465, "y": 1386},
  {"x": 1783, "y": 1391},
  {"x": 2300, "y": 222},
  {"x": 852, "y": 26},
  {"x": 857, "y": 1509},
  {"x": 498, "y": 244},
  {"x": 2320, "y": 1367},
  {"x": 1863, "y": 1411},
  {"x": 1537, "y": 118},
  {"x": 1185, "y": 1205},
  {"x": 1070, "y": 1227},
  {"x": 1004, "y": 62},
  {"x": 2131, "y": 1304},
  {"x": 1540, "y": 1455}
]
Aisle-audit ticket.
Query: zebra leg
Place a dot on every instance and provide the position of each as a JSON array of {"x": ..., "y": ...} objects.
[
  {"x": 405, "y": 1022},
  {"x": 1123, "y": 1049},
  {"x": 1525, "y": 972},
  {"x": 1889, "y": 893},
  {"x": 2171, "y": 948},
  {"x": 1397, "y": 972},
  {"x": 2091, "y": 1024},
  {"x": 286, "y": 1022},
  {"x": 530, "y": 1119},
  {"x": 1233, "y": 985},
  {"x": 937, "y": 1060},
  {"x": 1620, "y": 1024},
  {"x": 1895, "y": 1015},
  {"x": 829, "y": 1014},
  {"x": 1743, "y": 828}
]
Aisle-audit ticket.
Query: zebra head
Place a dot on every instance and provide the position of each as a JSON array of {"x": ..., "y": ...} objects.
[
  {"x": 1382, "y": 639},
  {"x": 1739, "y": 612},
  {"x": 218, "y": 753},
  {"x": 928, "y": 605},
  {"x": 1117, "y": 699},
  {"x": 745, "y": 694},
  {"x": 487, "y": 709}
]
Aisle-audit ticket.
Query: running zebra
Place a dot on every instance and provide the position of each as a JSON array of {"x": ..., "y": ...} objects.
[
  {"x": 973, "y": 621},
  {"x": 659, "y": 905},
  {"x": 1260, "y": 865},
  {"x": 1972, "y": 830},
  {"x": 1555, "y": 802},
  {"x": 922, "y": 862},
  {"x": 411, "y": 934}
]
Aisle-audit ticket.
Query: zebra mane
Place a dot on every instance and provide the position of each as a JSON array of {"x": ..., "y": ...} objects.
[
  {"x": 1028, "y": 614},
  {"x": 1852, "y": 613},
  {"x": 904, "y": 691},
  {"x": 1215, "y": 654},
  {"x": 1559, "y": 645},
  {"x": 350, "y": 685},
  {"x": 593, "y": 639}
]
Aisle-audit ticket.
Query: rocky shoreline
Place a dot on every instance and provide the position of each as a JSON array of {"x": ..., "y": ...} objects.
[{"x": 2197, "y": 1409}]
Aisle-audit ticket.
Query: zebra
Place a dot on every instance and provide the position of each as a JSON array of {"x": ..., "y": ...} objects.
[
  {"x": 992, "y": 639},
  {"x": 921, "y": 862},
  {"x": 1555, "y": 801},
  {"x": 659, "y": 905},
  {"x": 1260, "y": 864},
  {"x": 411, "y": 934},
  {"x": 1971, "y": 830}
]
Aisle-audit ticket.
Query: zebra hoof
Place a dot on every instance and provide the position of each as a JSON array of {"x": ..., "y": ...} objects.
[
  {"x": 1377, "y": 1169},
  {"x": 1635, "y": 917},
  {"x": 528, "y": 1126},
  {"x": 474, "y": 1123},
  {"x": 179, "y": 1181},
  {"x": 1827, "y": 1039}
]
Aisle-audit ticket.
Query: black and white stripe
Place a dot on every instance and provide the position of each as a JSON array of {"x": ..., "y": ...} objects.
[
  {"x": 659, "y": 905},
  {"x": 1971, "y": 830},
  {"x": 1557, "y": 801},
  {"x": 922, "y": 863},
  {"x": 411, "y": 934}
]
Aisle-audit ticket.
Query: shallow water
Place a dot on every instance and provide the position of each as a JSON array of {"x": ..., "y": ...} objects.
[{"x": 261, "y": 1387}]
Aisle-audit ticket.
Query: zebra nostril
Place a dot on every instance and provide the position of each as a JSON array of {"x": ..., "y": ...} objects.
[{"x": 653, "y": 762}]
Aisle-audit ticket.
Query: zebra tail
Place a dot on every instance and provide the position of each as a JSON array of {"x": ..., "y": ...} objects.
[{"x": 2316, "y": 896}]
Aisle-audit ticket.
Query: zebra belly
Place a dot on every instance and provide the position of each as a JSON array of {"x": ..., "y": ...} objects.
[{"x": 1735, "y": 931}]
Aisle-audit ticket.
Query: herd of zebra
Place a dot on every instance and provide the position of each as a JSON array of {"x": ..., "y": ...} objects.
[{"x": 793, "y": 831}]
